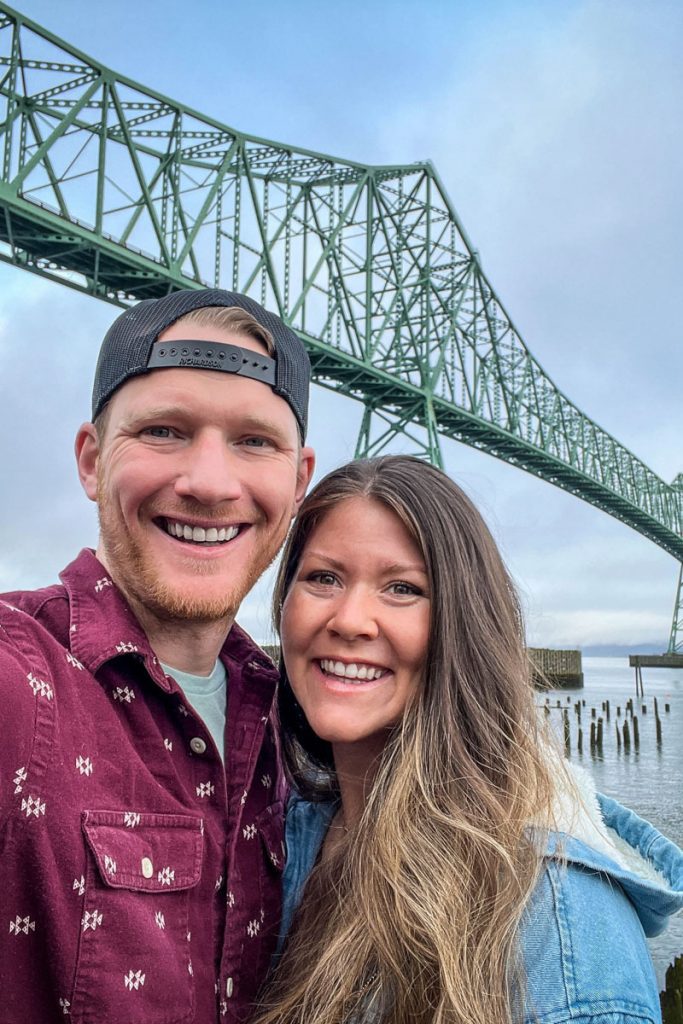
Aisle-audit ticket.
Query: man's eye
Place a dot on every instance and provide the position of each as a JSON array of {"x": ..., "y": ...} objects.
[
  {"x": 256, "y": 442},
  {"x": 157, "y": 431}
]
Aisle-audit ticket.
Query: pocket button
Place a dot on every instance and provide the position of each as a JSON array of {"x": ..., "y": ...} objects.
[
  {"x": 146, "y": 867},
  {"x": 197, "y": 745}
]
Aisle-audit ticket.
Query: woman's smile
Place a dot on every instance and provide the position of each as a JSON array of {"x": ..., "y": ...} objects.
[{"x": 358, "y": 671}]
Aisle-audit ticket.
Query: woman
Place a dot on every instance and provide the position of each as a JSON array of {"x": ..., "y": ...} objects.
[{"x": 452, "y": 872}]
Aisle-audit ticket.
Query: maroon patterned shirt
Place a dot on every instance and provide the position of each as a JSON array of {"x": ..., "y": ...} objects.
[{"x": 140, "y": 880}]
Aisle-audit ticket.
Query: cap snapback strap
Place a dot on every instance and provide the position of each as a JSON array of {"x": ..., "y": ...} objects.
[{"x": 213, "y": 355}]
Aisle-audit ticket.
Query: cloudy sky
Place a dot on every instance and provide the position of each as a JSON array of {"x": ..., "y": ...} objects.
[{"x": 555, "y": 126}]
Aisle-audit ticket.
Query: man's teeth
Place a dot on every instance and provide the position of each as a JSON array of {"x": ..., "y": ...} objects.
[
  {"x": 199, "y": 535},
  {"x": 352, "y": 671}
]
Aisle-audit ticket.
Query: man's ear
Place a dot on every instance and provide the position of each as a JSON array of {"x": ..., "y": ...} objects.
[
  {"x": 87, "y": 449},
  {"x": 304, "y": 474}
]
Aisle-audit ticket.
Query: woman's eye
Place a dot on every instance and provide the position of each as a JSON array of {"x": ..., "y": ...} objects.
[
  {"x": 403, "y": 589},
  {"x": 326, "y": 579}
]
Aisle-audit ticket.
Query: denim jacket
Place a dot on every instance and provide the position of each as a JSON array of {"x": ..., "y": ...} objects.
[{"x": 607, "y": 882}]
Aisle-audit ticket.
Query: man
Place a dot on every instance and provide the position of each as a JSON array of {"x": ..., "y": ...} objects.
[{"x": 141, "y": 822}]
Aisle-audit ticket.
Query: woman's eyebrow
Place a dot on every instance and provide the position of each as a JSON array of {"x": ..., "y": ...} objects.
[
  {"x": 389, "y": 569},
  {"x": 320, "y": 556},
  {"x": 399, "y": 567}
]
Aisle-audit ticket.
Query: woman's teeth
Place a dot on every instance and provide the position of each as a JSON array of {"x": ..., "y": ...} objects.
[
  {"x": 364, "y": 673},
  {"x": 199, "y": 535}
]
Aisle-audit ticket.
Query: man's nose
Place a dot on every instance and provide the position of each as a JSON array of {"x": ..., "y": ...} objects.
[
  {"x": 209, "y": 473},
  {"x": 354, "y": 615}
]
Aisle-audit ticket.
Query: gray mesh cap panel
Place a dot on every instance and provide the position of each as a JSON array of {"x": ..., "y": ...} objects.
[{"x": 128, "y": 344}]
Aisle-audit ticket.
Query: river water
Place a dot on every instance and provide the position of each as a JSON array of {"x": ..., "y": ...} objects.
[{"x": 649, "y": 779}]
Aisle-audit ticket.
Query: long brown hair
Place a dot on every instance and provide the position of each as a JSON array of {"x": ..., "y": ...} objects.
[{"x": 415, "y": 918}]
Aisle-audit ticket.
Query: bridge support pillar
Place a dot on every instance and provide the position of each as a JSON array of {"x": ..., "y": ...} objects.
[
  {"x": 676, "y": 638},
  {"x": 380, "y": 426}
]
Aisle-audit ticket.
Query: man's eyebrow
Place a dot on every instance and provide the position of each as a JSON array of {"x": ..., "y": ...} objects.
[
  {"x": 255, "y": 423},
  {"x": 158, "y": 412}
]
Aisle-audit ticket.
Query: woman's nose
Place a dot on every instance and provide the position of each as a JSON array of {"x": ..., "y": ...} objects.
[{"x": 354, "y": 616}]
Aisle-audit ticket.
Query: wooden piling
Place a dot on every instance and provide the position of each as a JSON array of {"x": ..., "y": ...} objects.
[
  {"x": 671, "y": 998},
  {"x": 618, "y": 736},
  {"x": 636, "y": 733},
  {"x": 592, "y": 737},
  {"x": 627, "y": 736},
  {"x": 599, "y": 736},
  {"x": 579, "y": 742},
  {"x": 658, "y": 727}
]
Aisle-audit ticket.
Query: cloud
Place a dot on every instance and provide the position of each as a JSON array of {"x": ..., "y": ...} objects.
[{"x": 582, "y": 628}]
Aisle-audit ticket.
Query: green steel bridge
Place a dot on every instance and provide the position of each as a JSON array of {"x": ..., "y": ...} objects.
[{"x": 120, "y": 192}]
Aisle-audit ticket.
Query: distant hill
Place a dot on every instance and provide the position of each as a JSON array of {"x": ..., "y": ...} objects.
[{"x": 621, "y": 650}]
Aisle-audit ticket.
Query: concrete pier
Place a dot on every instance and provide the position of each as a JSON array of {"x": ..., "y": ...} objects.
[
  {"x": 559, "y": 669},
  {"x": 655, "y": 660},
  {"x": 641, "y": 661}
]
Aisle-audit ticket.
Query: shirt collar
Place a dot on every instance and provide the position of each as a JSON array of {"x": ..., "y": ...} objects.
[
  {"x": 102, "y": 626},
  {"x": 101, "y": 623}
]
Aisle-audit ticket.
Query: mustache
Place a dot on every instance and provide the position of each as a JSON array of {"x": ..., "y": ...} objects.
[{"x": 218, "y": 514}]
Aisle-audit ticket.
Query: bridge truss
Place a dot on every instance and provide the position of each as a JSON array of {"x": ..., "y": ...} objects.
[{"x": 118, "y": 191}]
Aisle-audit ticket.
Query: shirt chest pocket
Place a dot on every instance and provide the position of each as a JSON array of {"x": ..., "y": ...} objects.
[{"x": 134, "y": 961}]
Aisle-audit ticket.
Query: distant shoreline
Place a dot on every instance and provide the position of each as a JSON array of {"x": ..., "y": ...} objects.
[{"x": 620, "y": 650}]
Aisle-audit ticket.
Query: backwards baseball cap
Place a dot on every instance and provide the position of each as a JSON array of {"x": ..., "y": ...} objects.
[{"x": 130, "y": 348}]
